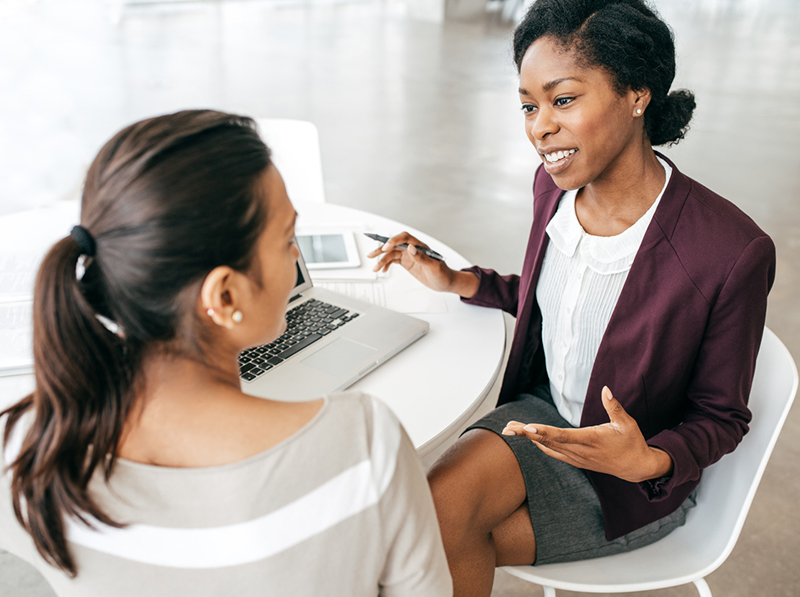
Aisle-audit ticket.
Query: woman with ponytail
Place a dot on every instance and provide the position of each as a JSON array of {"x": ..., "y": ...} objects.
[
  {"x": 137, "y": 466},
  {"x": 640, "y": 310}
]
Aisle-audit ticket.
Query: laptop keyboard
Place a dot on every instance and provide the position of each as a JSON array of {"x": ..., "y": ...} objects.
[{"x": 305, "y": 324}]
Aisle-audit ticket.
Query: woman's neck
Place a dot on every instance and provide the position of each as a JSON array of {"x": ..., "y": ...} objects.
[
  {"x": 615, "y": 200},
  {"x": 190, "y": 414},
  {"x": 171, "y": 374}
]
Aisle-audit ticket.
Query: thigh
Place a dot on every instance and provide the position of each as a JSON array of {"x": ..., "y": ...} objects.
[{"x": 477, "y": 483}]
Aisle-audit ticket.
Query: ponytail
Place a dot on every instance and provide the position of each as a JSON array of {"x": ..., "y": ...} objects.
[
  {"x": 165, "y": 201},
  {"x": 82, "y": 397}
]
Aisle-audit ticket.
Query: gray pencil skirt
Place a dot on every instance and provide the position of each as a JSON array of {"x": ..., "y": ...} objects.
[{"x": 564, "y": 508}]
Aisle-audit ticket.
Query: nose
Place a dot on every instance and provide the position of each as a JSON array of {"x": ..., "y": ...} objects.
[{"x": 544, "y": 124}]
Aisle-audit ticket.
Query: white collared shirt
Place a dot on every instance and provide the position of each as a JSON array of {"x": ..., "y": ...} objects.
[{"x": 581, "y": 280}]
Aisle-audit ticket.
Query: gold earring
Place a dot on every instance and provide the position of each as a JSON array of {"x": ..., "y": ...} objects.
[{"x": 237, "y": 316}]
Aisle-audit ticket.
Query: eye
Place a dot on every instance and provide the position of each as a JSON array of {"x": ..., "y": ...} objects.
[
  {"x": 528, "y": 108},
  {"x": 563, "y": 101}
]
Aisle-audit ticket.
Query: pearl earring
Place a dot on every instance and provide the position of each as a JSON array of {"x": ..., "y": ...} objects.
[
  {"x": 639, "y": 111},
  {"x": 210, "y": 312},
  {"x": 237, "y": 317}
]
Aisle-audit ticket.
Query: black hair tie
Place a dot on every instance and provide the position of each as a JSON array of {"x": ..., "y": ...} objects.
[{"x": 85, "y": 241}]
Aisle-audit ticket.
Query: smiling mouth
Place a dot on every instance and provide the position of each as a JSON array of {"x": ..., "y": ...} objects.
[{"x": 557, "y": 156}]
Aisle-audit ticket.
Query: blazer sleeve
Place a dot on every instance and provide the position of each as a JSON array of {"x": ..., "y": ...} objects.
[
  {"x": 717, "y": 416},
  {"x": 494, "y": 290},
  {"x": 502, "y": 292}
]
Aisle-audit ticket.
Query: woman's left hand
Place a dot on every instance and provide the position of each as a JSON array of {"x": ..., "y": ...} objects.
[{"x": 616, "y": 448}]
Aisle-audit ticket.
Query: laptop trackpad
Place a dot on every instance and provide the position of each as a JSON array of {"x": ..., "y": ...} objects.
[{"x": 339, "y": 356}]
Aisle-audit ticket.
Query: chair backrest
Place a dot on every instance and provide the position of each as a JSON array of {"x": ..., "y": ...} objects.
[
  {"x": 295, "y": 152},
  {"x": 696, "y": 549},
  {"x": 728, "y": 487}
]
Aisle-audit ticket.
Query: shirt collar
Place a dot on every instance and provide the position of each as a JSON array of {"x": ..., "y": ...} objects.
[{"x": 603, "y": 254}]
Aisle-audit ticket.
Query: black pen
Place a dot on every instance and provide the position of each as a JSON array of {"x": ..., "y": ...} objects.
[{"x": 424, "y": 250}]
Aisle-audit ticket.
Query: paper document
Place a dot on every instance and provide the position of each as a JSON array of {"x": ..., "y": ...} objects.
[
  {"x": 25, "y": 238},
  {"x": 16, "y": 337},
  {"x": 399, "y": 297},
  {"x": 359, "y": 274},
  {"x": 396, "y": 290},
  {"x": 17, "y": 275},
  {"x": 369, "y": 292},
  {"x": 415, "y": 300}
]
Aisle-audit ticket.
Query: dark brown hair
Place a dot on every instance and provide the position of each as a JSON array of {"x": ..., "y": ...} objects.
[{"x": 166, "y": 200}]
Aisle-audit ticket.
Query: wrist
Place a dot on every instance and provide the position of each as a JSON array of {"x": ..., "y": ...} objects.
[
  {"x": 660, "y": 464},
  {"x": 464, "y": 284}
]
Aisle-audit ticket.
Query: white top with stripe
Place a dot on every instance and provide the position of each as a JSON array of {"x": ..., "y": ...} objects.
[
  {"x": 342, "y": 507},
  {"x": 581, "y": 280}
]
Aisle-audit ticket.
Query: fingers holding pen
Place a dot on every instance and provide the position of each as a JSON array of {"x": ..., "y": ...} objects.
[
  {"x": 404, "y": 239},
  {"x": 420, "y": 261},
  {"x": 402, "y": 249},
  {"x": 394, "y": 256},
  {"x": 376, "y": 252}
]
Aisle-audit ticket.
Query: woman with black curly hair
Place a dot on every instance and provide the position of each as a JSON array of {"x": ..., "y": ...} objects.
[{"x": 637, "y": 281}]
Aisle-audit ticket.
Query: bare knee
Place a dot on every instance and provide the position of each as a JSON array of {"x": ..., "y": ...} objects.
[
  {"x": 457, "y": 475},
  {"x": 476, "y": 483}
]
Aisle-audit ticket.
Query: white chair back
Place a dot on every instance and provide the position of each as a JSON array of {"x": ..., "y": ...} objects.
[
  {"x": 295, "y": 153},
  {"x": 699, "y": 547},
  {"x": 728, "y": 488}
]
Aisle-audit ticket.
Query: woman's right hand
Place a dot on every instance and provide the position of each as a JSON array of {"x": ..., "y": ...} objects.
[{"x": 433, "y": 273}]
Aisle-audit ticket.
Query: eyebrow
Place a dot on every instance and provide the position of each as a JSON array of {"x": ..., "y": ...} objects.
[{"x": 550, "y": 84}]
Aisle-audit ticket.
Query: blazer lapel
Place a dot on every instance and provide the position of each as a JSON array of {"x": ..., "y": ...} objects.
[{"x": 620, "y": 346}]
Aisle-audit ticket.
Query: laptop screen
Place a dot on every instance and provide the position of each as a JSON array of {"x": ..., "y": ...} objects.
[{"x": 303, "y": 279}]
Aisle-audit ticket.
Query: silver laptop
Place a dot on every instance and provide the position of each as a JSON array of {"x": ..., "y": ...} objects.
[{"x": 331, "y": 342}]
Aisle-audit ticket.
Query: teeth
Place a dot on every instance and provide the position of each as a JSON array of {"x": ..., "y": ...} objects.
[{"x": 558, "y": 155}]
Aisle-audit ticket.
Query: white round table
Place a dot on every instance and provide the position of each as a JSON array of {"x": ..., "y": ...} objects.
[{"x": 433, "y": 386}]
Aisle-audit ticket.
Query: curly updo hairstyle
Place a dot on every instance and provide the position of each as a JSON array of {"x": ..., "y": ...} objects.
[{"x": 628, "y": 39}]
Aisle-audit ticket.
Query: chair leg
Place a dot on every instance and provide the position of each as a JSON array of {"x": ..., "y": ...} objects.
[
  {"x": 551, "y": 592},
  {"x": 702, "y": 587}
]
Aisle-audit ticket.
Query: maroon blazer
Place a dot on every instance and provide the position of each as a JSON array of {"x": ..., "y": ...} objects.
[{"x": 680, "y": 348}]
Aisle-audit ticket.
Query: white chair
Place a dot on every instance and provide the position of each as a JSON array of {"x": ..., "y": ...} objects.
[
  {"x": 695, "y": 550},
  {"x": 295, "y": 153}
]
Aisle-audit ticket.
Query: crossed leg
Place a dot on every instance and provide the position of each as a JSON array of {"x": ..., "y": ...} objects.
[{"x": 480, "y": 499}]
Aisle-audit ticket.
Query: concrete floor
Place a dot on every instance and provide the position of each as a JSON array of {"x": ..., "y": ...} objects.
[{"x": 419, "y": 122}]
